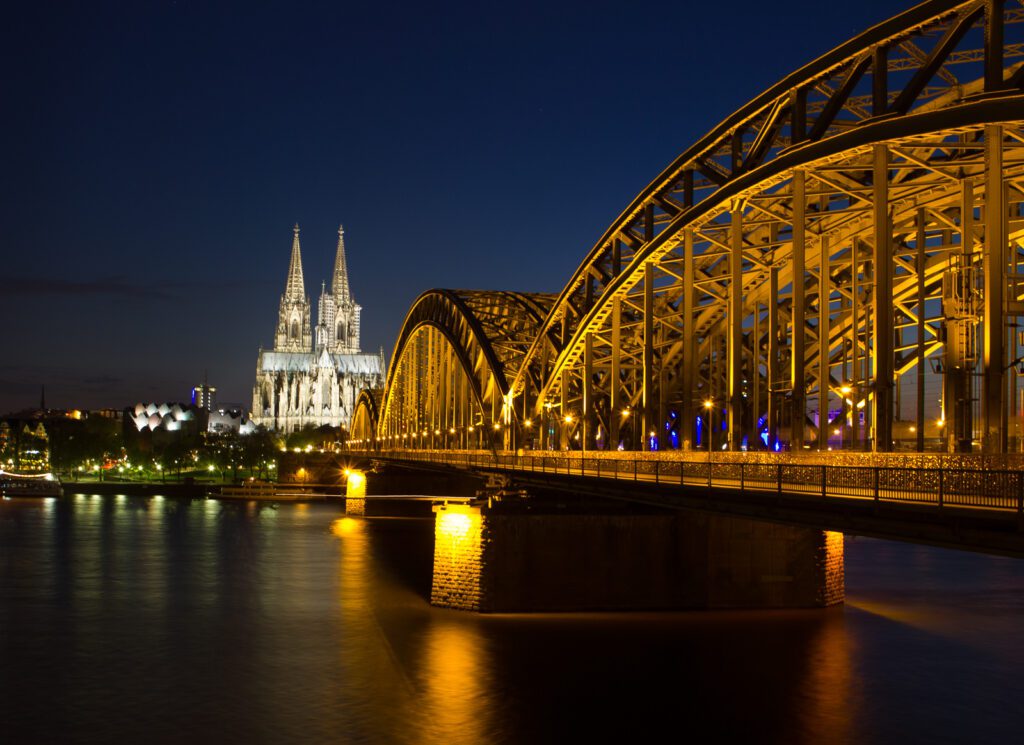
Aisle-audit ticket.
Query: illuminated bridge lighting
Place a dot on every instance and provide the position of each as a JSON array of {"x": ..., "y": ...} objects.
[{"x": 800, "y": 264}]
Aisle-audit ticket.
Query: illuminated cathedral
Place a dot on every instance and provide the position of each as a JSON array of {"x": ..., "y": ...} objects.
[{"x": 313, "y": 374}]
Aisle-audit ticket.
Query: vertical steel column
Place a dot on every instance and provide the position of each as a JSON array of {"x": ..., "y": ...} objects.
[
  {"x": 959, "y": 320},
  {"x": 797, "y": 378},
  {"x": 855, "y": 339},
  {"x": 755, "y": 372},
  {"x": 687, "y": 430},
  {"x": 824, "y": 334},
  {"x": 734, "y": 318},
  {"x": 647, "y": 381},
  {"x": 921, "y": 268},
  {"x": 563, "y": 412},
  {"x": 772, "y": 363},
  {"x": 994, "y": 262},
  {"x": 587, "y": 415},
  {"x": 615, "y": 417},
  {"x": 880, "y": 80},
  {"x": 882, "y": 360},
  {"x": 993, "y": 45}
]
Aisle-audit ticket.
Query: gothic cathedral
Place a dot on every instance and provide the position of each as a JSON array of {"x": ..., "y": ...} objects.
[{"x": 314, "y": 374}]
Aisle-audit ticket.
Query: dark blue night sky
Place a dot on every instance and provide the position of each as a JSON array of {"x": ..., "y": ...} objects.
[{"x": 155, "y": 156}]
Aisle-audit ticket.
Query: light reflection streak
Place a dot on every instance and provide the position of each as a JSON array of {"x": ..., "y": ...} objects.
[
  {"x": 457, "y": 684},
  {"x": 370, "y": 667},
  {"x": 830, "y": 682}
]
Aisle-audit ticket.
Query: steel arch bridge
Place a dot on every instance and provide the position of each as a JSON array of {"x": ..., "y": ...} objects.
[{"x": 839, "y": 263}]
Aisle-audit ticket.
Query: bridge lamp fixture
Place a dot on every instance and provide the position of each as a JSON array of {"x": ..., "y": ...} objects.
[
  {"x": 846, "y": 389},
  {"x": 470, "y": 428},
  {"x": 497, "y": 426},
  {"x": 528, "y": 423},
  {"x": 709, "y": 404},
  {"x": 437, "y": 431},
  {"x": 568, "y": 418},
  {"x": 625, "y": 413},
  {"x": 451, "y": 431},
  {"x": 941, "y": 422}
]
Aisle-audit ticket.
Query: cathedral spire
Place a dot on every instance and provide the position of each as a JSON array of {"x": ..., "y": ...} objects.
[
  {"x": 295, "y": 289},
  {"x": 293, "y": 330},
  {"x": 339, "y": 285}
]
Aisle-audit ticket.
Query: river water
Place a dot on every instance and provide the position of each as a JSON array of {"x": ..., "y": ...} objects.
[{"x": 151, "y": 620}]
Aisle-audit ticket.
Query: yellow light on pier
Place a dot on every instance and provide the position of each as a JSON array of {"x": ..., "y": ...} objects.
[
  {"x": 355, "y": 484},
  {"x": 453, "y": 525}
]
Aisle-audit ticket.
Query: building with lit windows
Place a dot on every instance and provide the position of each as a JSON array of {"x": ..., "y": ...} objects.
[{"x": 205, "y": 396}]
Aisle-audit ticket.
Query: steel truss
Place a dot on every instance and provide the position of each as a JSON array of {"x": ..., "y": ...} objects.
[
  {"x": 850, "y": 241},
  {"x": 448, "y": 382}
]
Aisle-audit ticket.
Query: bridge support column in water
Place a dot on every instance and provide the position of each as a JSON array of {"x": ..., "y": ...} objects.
[
  {"x": 499, "y": 557},
  {"x": 355, "y": 492}
]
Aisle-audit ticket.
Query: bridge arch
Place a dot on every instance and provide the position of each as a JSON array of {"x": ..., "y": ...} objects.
[
  {"x": 778, "y": 268},
  {"x": 364, "y": 420},
  {"x": 849, "y": 241},
  {"x": 456, "y": 351}
]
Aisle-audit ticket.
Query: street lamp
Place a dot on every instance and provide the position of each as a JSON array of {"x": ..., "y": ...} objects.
[{"x": 709, "y": 407}]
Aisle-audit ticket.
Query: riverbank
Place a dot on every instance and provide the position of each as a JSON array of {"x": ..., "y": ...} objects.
[{"x": 135, "y": 488}]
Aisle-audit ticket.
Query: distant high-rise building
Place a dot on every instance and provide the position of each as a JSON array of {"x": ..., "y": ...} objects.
[
  {"x": 314, "y": 375},
  {"x": 204, "y": 396}
]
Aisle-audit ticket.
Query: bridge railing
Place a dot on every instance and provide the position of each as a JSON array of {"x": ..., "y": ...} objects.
[{"x": 992, "y": 489}]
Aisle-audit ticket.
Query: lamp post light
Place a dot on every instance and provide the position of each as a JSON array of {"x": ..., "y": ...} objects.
[{"x": 709, "y": 407}]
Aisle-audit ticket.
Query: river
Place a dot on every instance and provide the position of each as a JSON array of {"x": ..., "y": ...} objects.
[{"x": 152, "y": 620}]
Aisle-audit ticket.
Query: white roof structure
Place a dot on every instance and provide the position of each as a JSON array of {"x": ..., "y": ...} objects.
[{"x": 366, "y": 364}]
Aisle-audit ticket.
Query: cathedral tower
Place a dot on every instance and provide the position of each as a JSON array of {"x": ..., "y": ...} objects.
[
  {"x": 294, "y": 332},
  {"x": 345, "y": 324},
  {"x": 299, "y": 385}
]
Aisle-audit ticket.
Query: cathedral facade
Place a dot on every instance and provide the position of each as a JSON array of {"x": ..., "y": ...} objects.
[{"x": 313, "y": 374}]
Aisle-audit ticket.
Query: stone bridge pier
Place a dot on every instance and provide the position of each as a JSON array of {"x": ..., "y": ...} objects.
[{"x": 517, "y": 556}]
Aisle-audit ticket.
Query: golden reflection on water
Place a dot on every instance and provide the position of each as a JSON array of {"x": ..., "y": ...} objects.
[
  {"x": 437, "y": 690},
  {"x": 370, "y": 669},
  {"x": 830, "y": 681},
  {"x": 345, "y": 526},
  {"x": 456, "y": 684}
]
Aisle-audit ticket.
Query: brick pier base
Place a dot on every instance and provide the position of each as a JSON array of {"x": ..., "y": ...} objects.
[{"x": 490, "y": 560}]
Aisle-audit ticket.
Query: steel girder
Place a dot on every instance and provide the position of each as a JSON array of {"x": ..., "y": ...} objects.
[
  {"x": 366, "y": 416},
  {"x": 455, "y": 355},
  {"x": 684, "y": 290},
  {"x": 793, "y": 271}
]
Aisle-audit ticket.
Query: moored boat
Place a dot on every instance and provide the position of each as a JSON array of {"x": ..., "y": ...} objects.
[{"x": 30, "y": 485}]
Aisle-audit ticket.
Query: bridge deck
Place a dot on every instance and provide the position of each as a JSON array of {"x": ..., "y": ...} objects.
[{"x": 976, "y": 509}]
